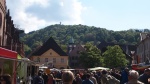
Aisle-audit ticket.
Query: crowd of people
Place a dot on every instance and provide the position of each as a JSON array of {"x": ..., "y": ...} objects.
[
  {"x": 112, "y": 76},
  {"x": 5, "y": 79}
]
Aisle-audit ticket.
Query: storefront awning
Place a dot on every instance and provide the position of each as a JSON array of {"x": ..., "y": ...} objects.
[{"x": 5, "y": 53}]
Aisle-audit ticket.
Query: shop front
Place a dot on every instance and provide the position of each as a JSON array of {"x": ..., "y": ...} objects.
[{"x": 8, "y": 63}]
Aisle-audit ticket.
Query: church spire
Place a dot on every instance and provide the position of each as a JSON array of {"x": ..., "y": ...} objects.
[{"x": 71, "y": 41}]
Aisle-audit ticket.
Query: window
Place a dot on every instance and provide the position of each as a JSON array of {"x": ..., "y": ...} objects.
[
  {"x": 38, "y": 59},
  {"x": 54, "y": 60},
  {"x": 46, "y": 59},
  {"x": 50, "y": 53},
  {"x": 62, "y": 60}
]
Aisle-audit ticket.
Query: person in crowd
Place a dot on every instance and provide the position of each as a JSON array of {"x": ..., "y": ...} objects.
[
  {"x": 58, "y": 74},
  {"x": 95, "y": 75},
  {"x": 124, "y": 76},
  {"x": 74, "y": 81},
  {"x": 38, "y": 79},
  {"x": 144, "y": 77},
  {"x": 115, "y": 74},
  {"x": 50, "y": 79},
  {"x": 83, "y": 77},
  {"x": 108, "y": 79},
  {"x": 67, "y": 77},
  {"x": 87, "y": 80},
  {"x": 5, "y": 79},
  {"x": 99, "y": 76},
  {"x": 93, "y": 79},
  {"x": 45, "y": 77},
  {"x": 133, "y": 77},
  {"x": 29, "y": 79},
  {"x": 118, "y": 75},
  {"x": 78, "y": 79}
]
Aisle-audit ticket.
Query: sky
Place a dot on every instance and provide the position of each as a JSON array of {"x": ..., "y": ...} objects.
[{"x": 31, "y": 15}]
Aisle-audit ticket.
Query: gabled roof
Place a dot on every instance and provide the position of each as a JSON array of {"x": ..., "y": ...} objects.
[
  {"x": 50, "y": 44},
  {"x": 74, "y": 51},
  {"x": 103, "y": 47}
]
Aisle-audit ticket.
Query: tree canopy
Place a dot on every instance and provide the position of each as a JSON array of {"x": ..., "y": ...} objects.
[
  {"x": 81, "y": 34},
  {"x": 91, "y": 57},
  {"x": 114, "y": 57}
]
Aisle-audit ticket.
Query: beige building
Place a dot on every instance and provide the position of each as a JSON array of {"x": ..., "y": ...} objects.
[
  {"x": 51, "y": 55},
  {"x": 143, "y": 48}
]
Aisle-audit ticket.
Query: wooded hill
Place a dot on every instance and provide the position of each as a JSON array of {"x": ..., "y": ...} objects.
[{"x": 81, "y": 34}]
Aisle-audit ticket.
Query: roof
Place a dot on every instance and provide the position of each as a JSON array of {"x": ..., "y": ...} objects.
[
  {"x": 148, "y": 37},
  {"x": 50, "y": 44},
  {"x": 103, "y": 47}
]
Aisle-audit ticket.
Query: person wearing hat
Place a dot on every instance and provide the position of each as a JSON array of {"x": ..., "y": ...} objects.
[
  {"x": 144, "y": 77},
  {"x": 108, "y": 79}
]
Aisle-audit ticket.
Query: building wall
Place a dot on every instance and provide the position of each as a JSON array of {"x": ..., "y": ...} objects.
[
  {"x": 2, "y": 19},
  {"x": 74, "y": 56},
  {"x": 143, "y": 50},
  {"x": 53, "y": 57}
]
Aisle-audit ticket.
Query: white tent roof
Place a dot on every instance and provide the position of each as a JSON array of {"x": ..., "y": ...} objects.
[{"x": 98, "y": 68}]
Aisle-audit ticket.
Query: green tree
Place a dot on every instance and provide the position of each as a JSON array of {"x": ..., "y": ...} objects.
[
  {"x": 64, "y": 48},
  {"x": 91, "y": 57},
  {"x": 27, "y": 49},
  {"x": 114, "y": 57},
  {"x": 122, "y": 41}
]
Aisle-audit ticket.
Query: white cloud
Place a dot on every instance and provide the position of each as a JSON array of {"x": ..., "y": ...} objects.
[{"x": 35, "y": 14}]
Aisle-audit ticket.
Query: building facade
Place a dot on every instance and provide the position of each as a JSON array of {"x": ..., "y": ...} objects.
[
  {"x": 143, "y": 48},
  {"x": 74, "y": 56},
  {"x": 2, "y": 20},
  {"x": 9, "y": 34},
  {"x": 73, "y": 51},
  {"x": 50, "y": 55}
]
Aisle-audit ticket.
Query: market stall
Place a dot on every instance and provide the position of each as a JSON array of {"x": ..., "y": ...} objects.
[{"x": 8, "y": 63}]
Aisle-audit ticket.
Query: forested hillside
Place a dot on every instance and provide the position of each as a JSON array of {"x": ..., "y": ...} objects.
[{"x": 80, "y": 33}]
